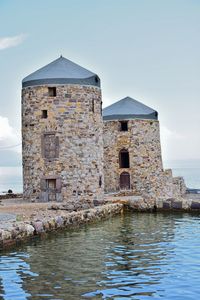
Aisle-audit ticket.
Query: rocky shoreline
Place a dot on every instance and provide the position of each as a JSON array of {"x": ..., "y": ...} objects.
[
  {"x": 20, "y": 221},
  {"x": 15, "y": 232}
]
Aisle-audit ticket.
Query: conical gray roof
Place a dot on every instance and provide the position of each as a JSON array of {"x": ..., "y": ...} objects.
[
  {"x": 127, "y": 109},
  {"x": 61, "y": 71}
]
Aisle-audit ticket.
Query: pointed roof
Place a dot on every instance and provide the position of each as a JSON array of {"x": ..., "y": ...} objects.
[
  {"x": 127, "y": 109},
  {"x": 61, "y": 71}
]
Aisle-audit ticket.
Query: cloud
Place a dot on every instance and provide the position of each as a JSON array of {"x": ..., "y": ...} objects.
[
  {"x": 8, "y": 42},
  {"x": 172, "y": 144},
  {"x": 9, "y": 137},
  {"x": 166, "y": 134}
]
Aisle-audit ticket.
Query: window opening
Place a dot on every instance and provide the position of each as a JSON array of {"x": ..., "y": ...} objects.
[
  {"x": 124, "y": 158},
  {"x": 52, "y": 91},
  {"x": 100, "y": 181},
  {"x": 44, "y": 114},
  {"x": 93, "y": 105},
  {"x": 124, "y": 126}
]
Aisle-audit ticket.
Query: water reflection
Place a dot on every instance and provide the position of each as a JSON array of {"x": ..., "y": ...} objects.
[
  {"x": 13, "y": 269},
  {"x": 136, "y": 256}
]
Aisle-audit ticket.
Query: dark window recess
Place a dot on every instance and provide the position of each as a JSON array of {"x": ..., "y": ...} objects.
[
  {"x": 44, "y": 114},
  {"x": 100, "y": 181},
  {"x": 52, "y": 91},
  {"x": 50, "y": 146},
  {"x": 124, "y": 159},
  {"x": 93, "y": 105},
  {"x": 124, "y": 126},
  {"x": 101, "y": 108}
]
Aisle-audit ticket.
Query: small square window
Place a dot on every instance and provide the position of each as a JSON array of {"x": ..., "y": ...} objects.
[
  {"x": 124, "y": 125},
  {"x": 44, "y": 114},
  {"x": 52, "y": 91}
]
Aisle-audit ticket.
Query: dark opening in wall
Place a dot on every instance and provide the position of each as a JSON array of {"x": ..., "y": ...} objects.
[
  {"x": 93, "y": 105},
  {"x": 124, "y": 125},
  {"x": 44, "y": 114},
  {"x": 52, "y": 91},
  {"x": 100, "y": 181},
  {"x": 124, "y": 181},
  {"x": 124, "y": 159}
]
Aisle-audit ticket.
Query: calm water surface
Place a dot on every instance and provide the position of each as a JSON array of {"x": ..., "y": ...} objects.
[{"x": 135, "y": 256}]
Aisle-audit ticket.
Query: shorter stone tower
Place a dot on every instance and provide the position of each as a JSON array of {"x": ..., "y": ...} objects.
[
  {"x": 62, "y": 134},
  {"x": 132, "y": 151}
]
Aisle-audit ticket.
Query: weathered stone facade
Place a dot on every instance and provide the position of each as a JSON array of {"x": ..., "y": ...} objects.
[
  {"x": 145, "y": 170},
  {"x": 62, "y": 143}
]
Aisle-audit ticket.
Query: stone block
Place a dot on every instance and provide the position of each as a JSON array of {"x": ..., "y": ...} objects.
[
  {"x": 166, "y": 204},
  {"x": 195, "y": 205},
  {"x": 177, "y": 205}
]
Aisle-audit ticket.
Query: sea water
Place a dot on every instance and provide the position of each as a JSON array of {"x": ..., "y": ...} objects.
[{"x": 131, "y": 256}]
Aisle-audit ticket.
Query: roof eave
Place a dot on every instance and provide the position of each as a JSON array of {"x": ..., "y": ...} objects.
[{"x": 152, "y": 116}]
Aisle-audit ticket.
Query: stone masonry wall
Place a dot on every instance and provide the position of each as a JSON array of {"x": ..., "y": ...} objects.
[
  {"x": 72, "y": 153},
  {"x": 142, "y": 140}
]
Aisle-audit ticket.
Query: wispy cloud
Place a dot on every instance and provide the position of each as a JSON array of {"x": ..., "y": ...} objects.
[
  {"x": 9, "y": 138},
  {"x": 12, "y": 41}
]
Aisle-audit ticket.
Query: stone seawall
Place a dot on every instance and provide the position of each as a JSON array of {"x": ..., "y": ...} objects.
[
  {"x": 15, "y": 232},
  {"x": 188, "y": 203}
]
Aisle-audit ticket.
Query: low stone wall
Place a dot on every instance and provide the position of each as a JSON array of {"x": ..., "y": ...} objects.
[
  {"x": 11, "y": 196},
  {"x": 140, "y": 204},
  {"x": 13, "y": 233},
  {"x": 181, "y": 204}
]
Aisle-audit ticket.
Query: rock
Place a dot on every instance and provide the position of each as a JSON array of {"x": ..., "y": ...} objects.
[
  {"x": 166, "y": 204},
  {"x": 176, "y": 204},
  {"x": 59, "y": 221},
  {"x": 54, "y": 207},
  {"x": 29, "y": 229},
  {"x": 195, "y": 205},
  {"x": 38, "y": 225}
]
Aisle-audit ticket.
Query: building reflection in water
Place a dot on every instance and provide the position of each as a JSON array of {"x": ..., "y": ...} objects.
[
  {"x": 13, "y": 269},
  {"x": 121, "y": 257}
]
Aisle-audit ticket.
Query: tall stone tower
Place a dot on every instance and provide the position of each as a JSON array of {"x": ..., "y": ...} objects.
[
  {"x": 132, "y": 151},
  {"x": 62, "y": 134}
]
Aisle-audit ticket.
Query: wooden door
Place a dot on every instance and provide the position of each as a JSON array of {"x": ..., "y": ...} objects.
[
  {"x": 51, "y": 189},
  {"x": 125, "y": 181}
]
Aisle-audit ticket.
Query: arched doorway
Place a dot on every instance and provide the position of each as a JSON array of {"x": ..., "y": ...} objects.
[
  {"x": 125, "y": 181},
  {"x": 124, "y": 158}
]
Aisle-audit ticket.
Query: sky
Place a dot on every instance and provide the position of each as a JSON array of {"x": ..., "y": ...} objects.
[{"x": 146, "y": 49}]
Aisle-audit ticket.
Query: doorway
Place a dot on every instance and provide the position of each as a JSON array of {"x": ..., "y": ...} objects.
[
  {"x": 51, "y": 189},
  {"x": 125, "y": 181}
]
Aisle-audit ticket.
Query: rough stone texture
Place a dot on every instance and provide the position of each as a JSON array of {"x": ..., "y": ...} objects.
[
  {"x": 179, "y": 186},
  {"x": 19, "y": 231},
  {"x": 66, "y": 148},
  {"x": 147, "y": 177}
]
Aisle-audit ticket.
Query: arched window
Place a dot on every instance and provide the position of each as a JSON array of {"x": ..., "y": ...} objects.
[
  {"x": 124, "y": 181},
  {"x": 124, "y": 158}
]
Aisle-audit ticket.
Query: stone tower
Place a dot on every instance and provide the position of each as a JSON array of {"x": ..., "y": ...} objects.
[
  {"x": 132, "y": 151},
  {"x": 62, "y": 134}
]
